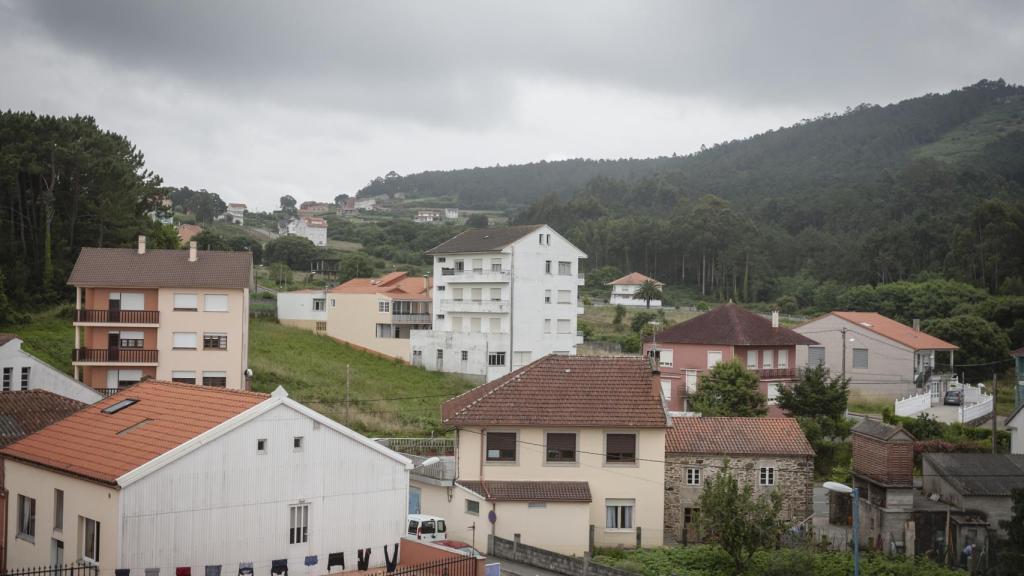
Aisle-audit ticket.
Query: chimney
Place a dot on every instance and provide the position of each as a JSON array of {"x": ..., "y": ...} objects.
[
  {"x": 775, "y": 318},
  {"x": 917, "y": 324},
  {"x": 655, "y": 376},
  {"x": 192, "y": 255},
  {"x": 142, "y": 244}
]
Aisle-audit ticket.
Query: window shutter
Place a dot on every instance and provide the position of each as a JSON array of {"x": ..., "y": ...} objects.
[
  {"x": 621, "y": 447},
  {"x": 815, "y": 356},
  {"x": 561, "y": 447}
]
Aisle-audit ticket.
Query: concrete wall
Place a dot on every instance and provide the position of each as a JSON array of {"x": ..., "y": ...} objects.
[
  {"x": 643, "y": 482},
  {"x": 82, "y": 498},
  {"x": 234, "y": 322},
  {"x": 298, "y": 307},
  {"x": 544, "y": 559},
  {"x": 1016, "y": 428},
  {"x": 42, "y": 376}
]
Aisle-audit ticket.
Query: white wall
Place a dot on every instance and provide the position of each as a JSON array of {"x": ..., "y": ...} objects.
[
  {"x": 225, "y": 503},
  {"x": 42, "y": 376},
  {"x": 299, "y": 306},
  {"x": 1016, "y": 428}
]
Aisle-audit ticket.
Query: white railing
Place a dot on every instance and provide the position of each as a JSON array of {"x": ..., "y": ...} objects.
[
  {"x": 972, "y": 412},
  {"x": 914, "y": 404},
  {"x": 972, "y": 394}
]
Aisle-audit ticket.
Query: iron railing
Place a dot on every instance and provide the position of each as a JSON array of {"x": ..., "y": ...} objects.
[
  {"x": 420, "y": 446},
  {"x": 454, "y": 566},
  {"x": 81, "y": 569},
  {"x": 118, "y": 316},
  {"x": 123, "y": 355},
  {"x": 775, "y": 373}
]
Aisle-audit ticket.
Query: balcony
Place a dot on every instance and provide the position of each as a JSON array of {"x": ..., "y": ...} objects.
[
  {"x": 479, "y": 275},
  {"x": 114, "y": 356},
  {"x": 776, "y": 373},
  {"x": 83, "y": 316},
  {"x": 410, "y": 318},
  {"x": 581, "y": 279},
  {"x": 482, "y": 306}
]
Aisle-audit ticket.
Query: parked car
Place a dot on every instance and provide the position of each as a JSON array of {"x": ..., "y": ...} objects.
[
  {"x": 426, "y": 527},
  {"x": 461, "y": 547},
  {"x": 954, "y": 398}
]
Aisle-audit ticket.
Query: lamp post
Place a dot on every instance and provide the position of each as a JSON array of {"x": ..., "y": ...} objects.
[{"x": 855, "y": 492}]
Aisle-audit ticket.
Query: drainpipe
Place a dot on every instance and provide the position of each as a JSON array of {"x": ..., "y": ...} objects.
[{"x": 511, "y": 308}]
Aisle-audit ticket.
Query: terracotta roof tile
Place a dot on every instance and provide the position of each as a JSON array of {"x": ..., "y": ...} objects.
[
  {"x": 27, "y": 411},
  {"x": 101, "y": 447},
  {"x": 529, "y": 491},
  {"x": 733, "y": 325},
  {"x": 126, "y": 268},
  {"x": 726, "y": 435},
  {"x": 893, "y": 330},
  {"x": 634, "y": 278},
  {"x": 483, "y": 239},
  {"x": 397, "y": 285},
  {"x": 565, "y": 391}
]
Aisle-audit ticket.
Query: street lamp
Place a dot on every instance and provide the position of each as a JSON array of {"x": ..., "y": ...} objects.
[
  {"x": 844, "y": 489},
  {"x": 428, "y": 462}
]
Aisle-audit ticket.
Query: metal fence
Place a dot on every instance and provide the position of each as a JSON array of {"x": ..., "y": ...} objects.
[
  {"x": 56, "y": 570},
  {"x": 463, "y": 566},
  {"x": 420, "y": 446}
]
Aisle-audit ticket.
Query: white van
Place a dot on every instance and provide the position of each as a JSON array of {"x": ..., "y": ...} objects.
[{"x": 426, "y": 527}]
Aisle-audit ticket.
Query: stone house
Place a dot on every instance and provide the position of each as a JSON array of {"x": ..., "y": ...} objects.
[{"x": 768, "y": 453}]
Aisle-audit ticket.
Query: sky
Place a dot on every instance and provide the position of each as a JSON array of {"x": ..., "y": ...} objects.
[{"x": 255, "y": 99}]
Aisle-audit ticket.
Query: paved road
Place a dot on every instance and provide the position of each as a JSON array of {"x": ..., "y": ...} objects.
[{"x": 511, "y": 568}]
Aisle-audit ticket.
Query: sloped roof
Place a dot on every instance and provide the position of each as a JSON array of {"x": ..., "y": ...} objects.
[
  {"x": 1018, "y": 352},
  {"x": 103, "y": 447},
  {"x": 732, "y": 325},
  {"x": 726, "y": 435},
  {"x": 397, "y": 285},
  {"x": 529, "y": 491},
  {"x": 592, "y": 391},
  {"x": 893, "y": 330},
  {"x": 483, "y": 239},
  {"x": 315, "y": 221},
  {"x": 634, "y": 278},
  {"x": 878, "y": 429},
  {"x": 126, "y": 268},
  {"x": 7, "y": 337},
  {"x": 980, "y": 474},
  {"x": 25, "y": 412}
]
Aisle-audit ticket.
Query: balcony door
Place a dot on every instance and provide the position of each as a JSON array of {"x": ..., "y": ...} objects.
[{"x": 113, "y": 345}]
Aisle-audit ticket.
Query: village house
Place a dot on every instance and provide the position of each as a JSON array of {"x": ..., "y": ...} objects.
[
  {"x": 23, "y": 371},
  {"x": 186, "y": 232},
  {"x": 978, "y": 485},
  {"x": 503, "y": 297},
  {"x": 624, "y": 288},
  {"x": 312, "y": 228},
  {"x": 883, "y": 358},
  {"x": 306, "y": 309},
  {"x": 883, "y": 471},
  {"x": 235, "y": 213},
  {"x": 554, "y": 471},
  {"x": 728, "y": 332},
  {"x": 348, "y": 206},
  {"x": 379, "y": 314},
  {"x": 427, "y": 216},
  {"x": 169, "y": 314},
  {"x": 769, "y": 454},
  {"x": 170, "y": 477},
  {"x": 312, "y": 207}
]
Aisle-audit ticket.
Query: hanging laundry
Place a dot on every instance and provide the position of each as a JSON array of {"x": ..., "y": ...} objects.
[
  {"x": 213, "y": 570},
  {"x": 310, "y": 561},
  {"x": 335, "y": 559},
  {"x": 391, "y": 561},
  {"x": 244, "y": 569},
  {"x": 364, "y": 558},
  {"x": 279, "y": 566},
  {"x": 183, "y": 571},
  {"x": 152, "y": 572},
  {"x": 121, "y": 572}
]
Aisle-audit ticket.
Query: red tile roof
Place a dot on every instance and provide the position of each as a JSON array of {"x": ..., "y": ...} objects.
[
  {"x": 726, "y": 435},
  {"x": 529, "y": 491},
  {"x": 732, "y": 325},
  {"x": 1018, "y": 352},
  {"x": 126, "y": 268},
  {"x": 27, "y": 411},
  {"x": 593, "y": 391},
  {"x": 634, "y": 278},
  {"x": 103, "y": 447},
  {"x": 893, "y": 330},
  {"x": 398, "y": 285}
]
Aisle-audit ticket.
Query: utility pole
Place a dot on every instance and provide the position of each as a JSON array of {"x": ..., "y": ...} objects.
[
  {"x": 843, "y": 374},
  {"x": 348, "y": 380},
  {"x": 995, "y": 389}
]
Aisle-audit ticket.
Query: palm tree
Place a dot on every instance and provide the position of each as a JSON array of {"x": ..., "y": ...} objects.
[{"x": 648, "y": 291}]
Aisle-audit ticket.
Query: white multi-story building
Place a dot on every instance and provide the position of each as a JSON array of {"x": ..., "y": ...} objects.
[
  {"x": 503, "y": 297},
  {"x": 235, "y": 213}
]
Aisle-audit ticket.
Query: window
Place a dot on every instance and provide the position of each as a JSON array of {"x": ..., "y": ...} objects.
[
  {"x": 767, "y": 359},
  {"x": 565, "y": 297},
  {"x": 441, "y": 288},
  {"x": 714, "y": 357},
  {"x": 565, "y": 268},
  {"x": 783, "y": 358},
  {"x": 666, "y": 389},
  {"x": 472, "y": 507},
  {"x": 118, "y": 406},
  {"x": 215, "y": 341},
  {"x": 333, "y": 302},
  {"x": 691, "y": 516},
  {"x": 620, "y": 448},
  {"x": 547, "y": 325},
  {"x": 90, "y": 539},
  {"x": 215, "y": 379},
  {"x": 547, "y": 239},
  {"x": 693, "y": 476},
  {"x": 665, "y": 358},
  {"x": 464, "y": 355},
  {"x": 457, "y": 323},
  {"x": 58, "y": 509},
  {"x": 501, "y": 446},
  {"x": 495, "y": 264},
  {"x": 261, "y": 446},
  {"x": 619, "y": 514},
  {"x": 457, "y": 294},
  {"x": 385, "y": 331},
  {"x": 298, "y": 532},
  {"x": 767, "y": 476},
  {"x": 321, "y": 326},
  {"x": 8, "y": 371},
  {"x": 25, "y": 372},
  {"x": 26, "y": 518},
  {"x": 460, "y": 265},
  {"x": 417, "y": 357},
  {"x": 537, "y": 505},
  {"x": 540, "y": 239},
  {"x": 474, "y": 325},
  {"x": 185, "y": 340},
  {"x": 564, "y": 326},
  {"x": 384, "y": 306},
  {"x": 496, "y": 359},
  {"x": 297, "y": 443},
  {"x": 478, "y": 264},
  {"x": 561, "y": 447},
  {"x": 521, "y": 358},
  {"x": 495, "y": 294},
  {"x": 495, "y": 325},
  {"x": 183, "y": 376},
  {"x": 815, "y": 356},
  {"x": 131, "y": 340},
  {"x": 860, "y": 357},
  {"x": 185, "y": 302},
  {"x": 547, "y": 296},
  {"x": 215, "y": 302},
  {"x": 319, "y": 305},
  {"x": 751, "y": 359},
  {"x": 547, "y": 266},
  {"x": 476, "y": 294}
]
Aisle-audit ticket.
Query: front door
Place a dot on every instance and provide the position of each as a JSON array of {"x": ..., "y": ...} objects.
[{"x": 113, "y": 346}]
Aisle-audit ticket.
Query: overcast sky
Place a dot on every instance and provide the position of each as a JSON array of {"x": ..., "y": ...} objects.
[{"x": 255, "y": 99}]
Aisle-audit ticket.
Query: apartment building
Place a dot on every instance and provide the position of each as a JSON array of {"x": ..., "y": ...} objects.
[
  {"x": 178, "y": 315},
  {"x": 503, "y": 297},
  {"x": 379, "y": 314}
]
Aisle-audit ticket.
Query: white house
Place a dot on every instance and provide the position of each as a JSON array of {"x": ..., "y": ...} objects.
[
  {"x": 624, "y": 288},
  {"x": 166, "y": 475},
  {"x": 23, "y": 371},
  {"x": 313, "y": 228},
  {"x": 1015, "y": 424},
  {"x": 503, "y": 297},
  {"x": 451, "y": 213},
  {"x": 235, "y": 213},
  {"x": 303, "y": 309},
  {"x": 366, "y": 203},
  {"x": 427, "y": 216}
]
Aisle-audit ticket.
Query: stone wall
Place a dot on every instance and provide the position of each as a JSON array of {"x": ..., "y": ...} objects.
[
  {"x": 547, "y": 560},
  {"x": 794, "y": 477}
]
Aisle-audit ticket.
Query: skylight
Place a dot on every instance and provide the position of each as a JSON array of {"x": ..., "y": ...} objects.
[{"x": 118, "y": 406}]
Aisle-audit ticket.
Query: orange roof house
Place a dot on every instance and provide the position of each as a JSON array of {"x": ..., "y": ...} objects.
[
  {"x": 378, "y": 314},
  {"x": 624, "y": 289},
  {"x": 634, "y": 279}
]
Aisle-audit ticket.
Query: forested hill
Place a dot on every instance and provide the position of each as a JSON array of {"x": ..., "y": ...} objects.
[{"x": 853, "y": 146}]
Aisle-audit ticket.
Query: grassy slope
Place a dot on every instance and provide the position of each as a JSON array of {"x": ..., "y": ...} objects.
[
  {"x": 49, "y": 336},
  {"x": 967, "y": 140},
  {"x": 600, "y": 318}
]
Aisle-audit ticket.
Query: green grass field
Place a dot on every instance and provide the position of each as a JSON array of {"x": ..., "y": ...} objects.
[
  {"x": 967, "y": 140},
  {"x": 49, "y": 336},
  {"x": 600, "y": 318}
]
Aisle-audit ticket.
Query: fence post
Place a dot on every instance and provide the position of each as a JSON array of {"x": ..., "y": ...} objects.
[
  {"x": 639, "y": 536},
  {"x": 515, "y": 547},
  {"x": 591, "y": 545},
  {"x": 586, "y": 563}
]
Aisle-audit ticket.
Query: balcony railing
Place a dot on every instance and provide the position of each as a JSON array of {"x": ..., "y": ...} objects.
[
  {"x": 775, "y": 373},
  {"x": 410, "y": 318},
  {"x": 476, "y": 275},
  {"x": 118, "y": 316},
  {"x": 115, "y": 355},
  {"x": 491, "y": 306}
]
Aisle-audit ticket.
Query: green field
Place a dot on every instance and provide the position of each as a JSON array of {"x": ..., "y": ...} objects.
[
  {"x": 966, "y": 141},
  {"x": 49, "y": 336},
  {"x": 600, "y": 318}
]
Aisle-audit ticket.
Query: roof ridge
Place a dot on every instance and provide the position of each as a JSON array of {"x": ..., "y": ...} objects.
[{"x": 205, "y": 389}]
